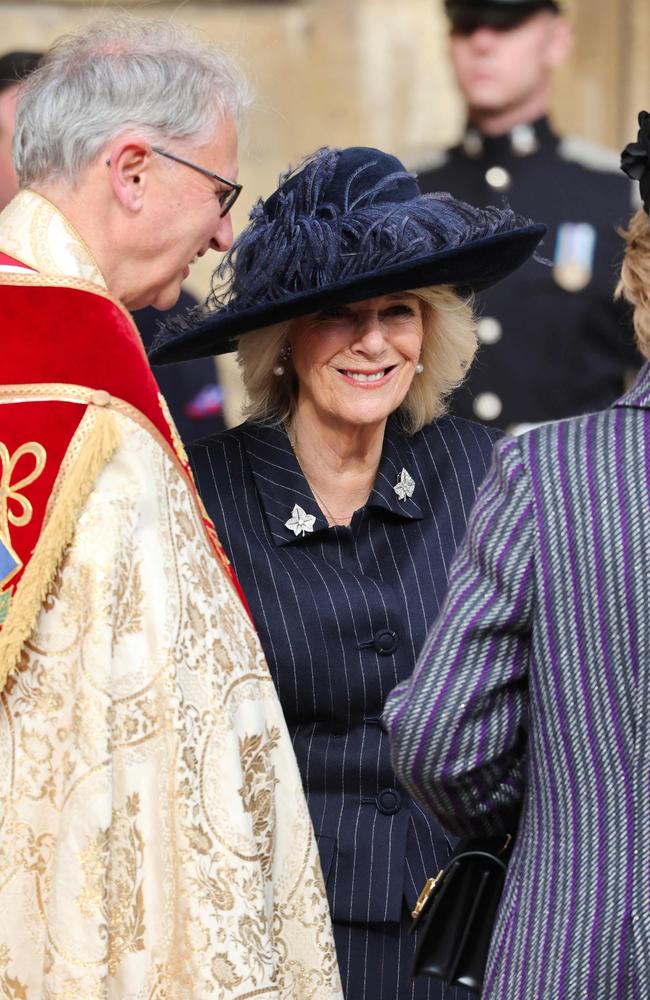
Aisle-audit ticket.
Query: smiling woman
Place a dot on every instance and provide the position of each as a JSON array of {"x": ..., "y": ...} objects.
[
  {"x": 354, "y": 364},
  {"x": 342, "y": 498},
  {"x": 447, "y": 348}
]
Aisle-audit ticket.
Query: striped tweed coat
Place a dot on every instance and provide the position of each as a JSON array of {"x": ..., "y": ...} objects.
[
  {"x": 531, "y": 700},
  {"x": 342, "y": 614}
]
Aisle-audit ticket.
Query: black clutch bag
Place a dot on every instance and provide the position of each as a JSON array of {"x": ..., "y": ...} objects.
[{"x": 455, "y": 913}]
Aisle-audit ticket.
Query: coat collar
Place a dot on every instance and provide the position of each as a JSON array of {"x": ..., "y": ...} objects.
[
  {"x": 281, "y": 484},
  {"x": 639, "y": 394}
]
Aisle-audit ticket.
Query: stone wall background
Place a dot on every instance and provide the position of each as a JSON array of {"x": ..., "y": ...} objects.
[{"x": 367, "y": 72}]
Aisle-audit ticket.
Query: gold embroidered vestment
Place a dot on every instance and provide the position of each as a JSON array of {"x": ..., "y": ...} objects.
[{"x": 154, "y": 838}]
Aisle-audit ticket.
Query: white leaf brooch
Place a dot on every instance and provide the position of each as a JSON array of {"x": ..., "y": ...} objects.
[
  {"x": 404, "y": 486},
  {"x": 300, "y": 521}
]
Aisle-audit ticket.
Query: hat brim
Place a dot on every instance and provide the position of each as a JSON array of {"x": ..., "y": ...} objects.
[{"x": 471, "y": 268}]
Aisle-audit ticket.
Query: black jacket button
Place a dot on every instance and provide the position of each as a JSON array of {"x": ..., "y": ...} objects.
[
  {"x": 385, "y": 642},
  {"x": 389, "y": 801}
]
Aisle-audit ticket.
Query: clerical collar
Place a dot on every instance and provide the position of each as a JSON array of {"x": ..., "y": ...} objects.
[{"x": 522, "y": 140}]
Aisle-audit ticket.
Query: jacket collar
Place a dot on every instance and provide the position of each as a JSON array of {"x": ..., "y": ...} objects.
[
  {"x": 639, "y": 394},
  {"x": 281, "y": 483},
  {"x": 521, "y": 141}
]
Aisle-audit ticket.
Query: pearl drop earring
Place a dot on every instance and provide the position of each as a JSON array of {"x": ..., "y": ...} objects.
[
  {"x": 284, "y": 355},
  {"x": 419, "y": 368}
]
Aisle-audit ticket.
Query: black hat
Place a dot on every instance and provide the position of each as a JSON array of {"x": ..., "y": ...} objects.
[
  {"x": 635, "y": 159},
  {"x": 347, "y": 225},
  {"x": 466, "y": 15},
  {"x": 14, "y": 66}
]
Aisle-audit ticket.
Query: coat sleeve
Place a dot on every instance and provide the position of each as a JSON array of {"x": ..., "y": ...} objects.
[{"x": 458, "y": 725}]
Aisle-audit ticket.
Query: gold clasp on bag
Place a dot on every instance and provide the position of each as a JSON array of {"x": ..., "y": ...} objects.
[{"x": 429, "y": 886}]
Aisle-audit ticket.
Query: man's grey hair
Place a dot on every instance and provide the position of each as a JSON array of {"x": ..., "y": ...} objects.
[{"x": 121, "y": 75}]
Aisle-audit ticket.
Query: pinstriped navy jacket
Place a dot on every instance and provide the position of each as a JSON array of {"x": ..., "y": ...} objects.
[
  {"x": 548, "y": 618},
  {"x": 342, "y": 614}
]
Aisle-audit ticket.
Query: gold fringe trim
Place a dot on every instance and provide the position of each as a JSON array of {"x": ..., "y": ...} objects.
[{"x": 58, "y": 532}]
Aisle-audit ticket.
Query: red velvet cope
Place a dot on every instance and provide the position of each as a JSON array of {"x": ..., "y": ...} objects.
[
  {"x": 70, "y": 335},
  {"x": 73, "y": 336}
]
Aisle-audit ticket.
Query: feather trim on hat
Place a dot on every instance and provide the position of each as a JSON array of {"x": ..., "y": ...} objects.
[{"x": 297, "y": 241}]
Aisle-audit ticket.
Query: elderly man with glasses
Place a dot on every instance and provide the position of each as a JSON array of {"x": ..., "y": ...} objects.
[{"x": 154, "y": 837}]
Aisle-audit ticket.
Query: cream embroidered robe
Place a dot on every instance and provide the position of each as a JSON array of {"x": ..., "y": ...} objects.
[{"x": 154, "y": 837}]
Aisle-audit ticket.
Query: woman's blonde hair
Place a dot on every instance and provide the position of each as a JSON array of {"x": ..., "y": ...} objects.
[
  {"x": 634, "y": 284},
  {"x": 448, "y": 347}
]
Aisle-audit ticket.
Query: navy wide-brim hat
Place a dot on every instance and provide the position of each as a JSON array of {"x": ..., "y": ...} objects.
[{"x": 347, "y": 225}]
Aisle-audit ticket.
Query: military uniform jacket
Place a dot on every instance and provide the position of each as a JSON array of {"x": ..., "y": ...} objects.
[
  {"x": 532, "y": 702},
  {"x": 342, "y": 613},
  {"x": 554, "y": 344}
]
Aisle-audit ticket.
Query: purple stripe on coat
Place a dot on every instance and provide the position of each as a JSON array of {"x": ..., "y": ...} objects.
[
  {"x": 418, "y": 760},
  {"x": 556, "y": 675},
  {"x": 456, "y": 569},
  {"x": 634, "y": 667},
  {"x": 478, "y": 760}
]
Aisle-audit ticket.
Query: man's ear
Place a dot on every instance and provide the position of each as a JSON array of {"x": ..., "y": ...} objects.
[
  {"x": 129, "y": 161},
  {"x": 561, "y": 41}
]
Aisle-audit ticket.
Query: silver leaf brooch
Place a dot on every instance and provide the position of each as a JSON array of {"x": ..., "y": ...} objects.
[
  {"x": 300, "y": 521},
  {"x": 404, "y": 486}
]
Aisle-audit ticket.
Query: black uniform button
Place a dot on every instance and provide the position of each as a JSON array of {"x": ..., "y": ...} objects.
[
  {"x": 389, "y": 801},
  {"x": 385, "y": 642}
]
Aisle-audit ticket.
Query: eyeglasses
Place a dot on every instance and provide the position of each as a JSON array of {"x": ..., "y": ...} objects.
[{"x": 226, "y": 198}]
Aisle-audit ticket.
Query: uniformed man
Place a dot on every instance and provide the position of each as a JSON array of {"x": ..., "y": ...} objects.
[
  {"x": 554, "y": 344},
  {"x": 192, "y": 391}
]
